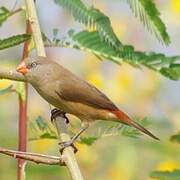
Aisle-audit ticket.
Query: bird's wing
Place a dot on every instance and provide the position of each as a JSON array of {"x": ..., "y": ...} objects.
[{"x": 75, "y": 89}]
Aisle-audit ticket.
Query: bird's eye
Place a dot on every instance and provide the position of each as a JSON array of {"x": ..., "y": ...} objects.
[{"x": 33, "y": 65}]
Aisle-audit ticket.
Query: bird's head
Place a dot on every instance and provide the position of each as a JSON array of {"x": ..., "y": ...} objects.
[{"x": 35, "y": 68}]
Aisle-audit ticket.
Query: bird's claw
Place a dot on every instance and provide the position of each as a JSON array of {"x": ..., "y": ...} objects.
[
  {"x": 67, "y": 144},
  {"x": 57, "y": 112}
]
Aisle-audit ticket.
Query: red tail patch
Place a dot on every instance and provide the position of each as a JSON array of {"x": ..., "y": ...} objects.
[{"x": 122, "y": 117}]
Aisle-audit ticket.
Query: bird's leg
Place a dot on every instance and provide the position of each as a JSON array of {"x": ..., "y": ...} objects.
[
  {"x": 57, "y": 112},
  {"x": 73, "y": 139},
  {"x": 54, "y": 114}
]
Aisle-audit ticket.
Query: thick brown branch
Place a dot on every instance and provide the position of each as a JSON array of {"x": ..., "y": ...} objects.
[
  {"x": 34, "y": 157},
  {"x": 11, "y": 75}
]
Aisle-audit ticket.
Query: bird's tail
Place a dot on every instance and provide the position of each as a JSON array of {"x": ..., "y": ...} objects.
[{"x": 128, "y": 121}]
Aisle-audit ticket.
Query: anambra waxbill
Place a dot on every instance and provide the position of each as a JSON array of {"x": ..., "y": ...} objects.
[{"x": 71, "y": 94}]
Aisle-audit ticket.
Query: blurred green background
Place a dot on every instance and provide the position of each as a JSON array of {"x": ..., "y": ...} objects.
[{"x": 142, "y": 93}]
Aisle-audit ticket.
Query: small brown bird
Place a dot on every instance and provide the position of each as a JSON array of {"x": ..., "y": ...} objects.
[{"x": 69, "y": 93}]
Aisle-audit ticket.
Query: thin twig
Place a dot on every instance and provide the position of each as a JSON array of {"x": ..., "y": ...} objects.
[
  {"x": 15, "y": 11},
  {"x": 22, "y": 130},
  {"x": 34, "y": 157}
]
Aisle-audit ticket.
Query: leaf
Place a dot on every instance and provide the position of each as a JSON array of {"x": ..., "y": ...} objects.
[
  {"x": 55, "y": 32},
  {"x": 173, "y": 72},
  {"x": 149, "y": 15},
  {"x": 92, "y": 18},
  {"x": 40, "y": 129},
  {"x": 6, "y": 90},
  {"x": 175, "y": 138},
  {"x": 48, "y": 136},
  {"x": 71, "y": 32},
  {"x": 115, "y": 129},
  {"x": 4, "y": 14},
  {"x": 42, "y": 125},
  {"x": 132, "y": 132},
  {"x": 88, "y": 140},
  {"x": 13, "y": 41},
  {"x": 91, "y": 42},
  {"x": 166, "y": 175}
]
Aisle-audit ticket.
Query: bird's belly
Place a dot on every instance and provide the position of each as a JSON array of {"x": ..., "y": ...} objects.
[
  {"x": 88, "y": 113},
  {"x": 82, "y": 111}
]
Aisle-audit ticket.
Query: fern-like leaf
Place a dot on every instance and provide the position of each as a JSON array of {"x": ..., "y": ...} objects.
[
  {"x": 13, "y": 40},
  {"x": 175, "y": 138},
  {"x": 166, "y": 175},
  {"x": 4, "y": 14},
  {"x": 6, "y": 90},
  {"x": 149, "y": 15},
  {"x": 167, "y": 66},
  {"x": 92, "y": 18},
  {"x": 91, "y": 42},
  {"x": 41, "y": 129}
]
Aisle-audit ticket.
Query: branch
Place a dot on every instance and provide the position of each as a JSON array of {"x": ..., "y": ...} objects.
[
  {"x": 11, "y": 75},
  {"x": 33, "y": 19},
  {"x": 34, "y": 157},
  {"x": 68, "y": 153}
]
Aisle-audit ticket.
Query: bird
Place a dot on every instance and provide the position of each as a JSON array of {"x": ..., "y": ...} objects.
[{"x": 73, "y": 95}]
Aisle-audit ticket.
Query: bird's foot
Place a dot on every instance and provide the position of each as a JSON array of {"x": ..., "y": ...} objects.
[
  {"x": 57, "y": 112},
  {"x": 67, "y": 144}
]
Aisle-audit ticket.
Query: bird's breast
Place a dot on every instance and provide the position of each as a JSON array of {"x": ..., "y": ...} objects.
[{"x": 48, "y": 92}]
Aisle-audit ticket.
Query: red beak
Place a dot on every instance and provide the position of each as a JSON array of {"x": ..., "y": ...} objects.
[{"x": 22, "y": 68}]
